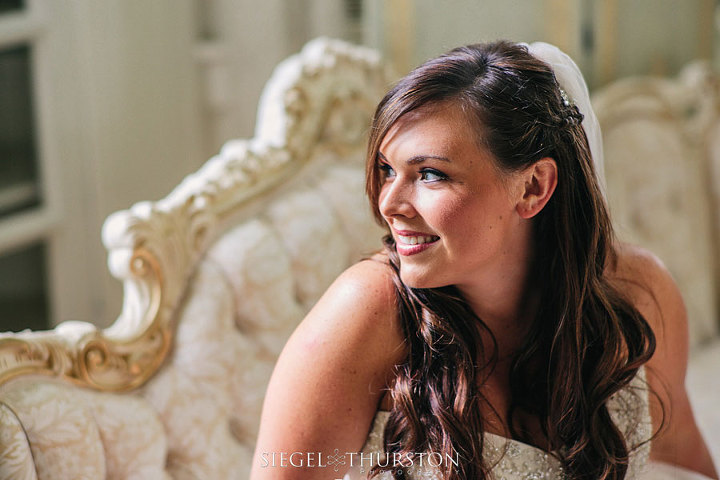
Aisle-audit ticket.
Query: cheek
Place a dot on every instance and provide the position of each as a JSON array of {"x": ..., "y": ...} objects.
[
  {"x": 474, "y": 222},
  {"x": 462, "y": 216},
  {"x": 442, "y": 207}
]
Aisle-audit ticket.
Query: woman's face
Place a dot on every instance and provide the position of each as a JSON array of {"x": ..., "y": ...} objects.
[{"x": 451, "y": 211}]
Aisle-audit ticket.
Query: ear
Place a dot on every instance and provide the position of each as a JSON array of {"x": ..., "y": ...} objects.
[{"x": 540, "y": 180}]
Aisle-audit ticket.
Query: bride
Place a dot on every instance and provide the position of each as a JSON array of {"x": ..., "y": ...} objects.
[{"x": 503, "y": 332}]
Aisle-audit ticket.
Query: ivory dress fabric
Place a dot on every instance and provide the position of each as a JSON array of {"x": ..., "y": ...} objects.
[{"x": 514, "y": 460}]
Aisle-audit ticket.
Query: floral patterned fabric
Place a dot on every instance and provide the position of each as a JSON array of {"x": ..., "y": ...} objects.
[
  {"x": 15, "y": 451},
  {"x": 51, "y": 430},
  {"x": 198, "y": 417}
]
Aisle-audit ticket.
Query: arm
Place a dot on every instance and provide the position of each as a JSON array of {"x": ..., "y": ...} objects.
[
  {"x": 330, "y": 376},
  {"x": 679, "y": 442}
]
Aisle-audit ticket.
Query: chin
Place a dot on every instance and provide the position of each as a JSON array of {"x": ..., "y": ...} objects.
[{"x": 419, "y": 279}]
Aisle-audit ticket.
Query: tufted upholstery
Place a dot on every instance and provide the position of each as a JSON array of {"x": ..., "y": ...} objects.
[
  {"x": 52, "y": 430},
  {"x": 280, "y": 236},
  {"x": 219, "y": 273},
  {"x": 662, "y": 158},
  {"x": 255, "y": 284},
  {"x": 659, "y": 183}
]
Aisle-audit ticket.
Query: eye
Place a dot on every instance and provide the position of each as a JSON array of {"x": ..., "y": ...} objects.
[
  {"x": 387, "y": 171},
  {"x": 432, "y": 175}
]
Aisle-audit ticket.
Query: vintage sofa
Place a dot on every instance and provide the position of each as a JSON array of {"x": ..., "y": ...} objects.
[{"x": 218, "y": 273}]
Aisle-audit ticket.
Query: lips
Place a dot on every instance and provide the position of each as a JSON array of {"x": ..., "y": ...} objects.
[
  {"x": 410, "y": 242},
  {"x": 416, "y": 240}
]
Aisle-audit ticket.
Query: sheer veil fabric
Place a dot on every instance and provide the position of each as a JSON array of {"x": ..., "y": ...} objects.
[
  {"x": 514, "y": 460},
  {"x": 571, "y": 80}
]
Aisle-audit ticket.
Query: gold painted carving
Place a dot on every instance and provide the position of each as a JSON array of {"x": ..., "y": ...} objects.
[{"x": 154, "y": 247}]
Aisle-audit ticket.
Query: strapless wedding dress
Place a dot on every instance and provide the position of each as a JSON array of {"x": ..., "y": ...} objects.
[{"x": 514, "y": 460}]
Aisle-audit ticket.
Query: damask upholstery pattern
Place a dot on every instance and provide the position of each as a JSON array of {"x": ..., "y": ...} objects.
[
  {"x": 244, "y": 301},
  {"x": 255, "y": 284},
  {"x": 68, "y": 432},
  {"x": 663, "y": 175},
  {"x": 197, "y": 417},
  {"x": 17, "y": 461},
  {"x": 658, "y": 177}
]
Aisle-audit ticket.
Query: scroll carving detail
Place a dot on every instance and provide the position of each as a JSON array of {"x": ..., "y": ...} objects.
[{"x": 154, "y": 247}]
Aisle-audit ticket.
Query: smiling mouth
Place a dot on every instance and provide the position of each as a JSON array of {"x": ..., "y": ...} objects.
[
  {"x": 407, "y": 245},
  {"x": 417, "y": 240}
]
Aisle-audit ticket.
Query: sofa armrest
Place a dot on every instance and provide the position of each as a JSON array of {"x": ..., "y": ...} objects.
[{"x": 54, "y": 430}]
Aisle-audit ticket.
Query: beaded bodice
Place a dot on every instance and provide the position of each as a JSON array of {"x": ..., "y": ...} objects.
[{"x": 514, "y": 460}]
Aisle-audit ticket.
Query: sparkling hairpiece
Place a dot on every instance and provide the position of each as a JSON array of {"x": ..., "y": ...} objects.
[
  {"x": 566, "y": 100},
  {"x": 572, "y": 115},
  {"x": 568, "y": 75}
]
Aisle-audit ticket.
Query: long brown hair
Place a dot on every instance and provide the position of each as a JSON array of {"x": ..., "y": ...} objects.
[{"x": 586, "y": 341}]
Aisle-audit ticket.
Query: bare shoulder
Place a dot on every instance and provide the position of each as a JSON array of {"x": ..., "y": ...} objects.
[
  {"x": 652, "y": 290},
  {"x": 650, "y": 287},
  {"x": 355, "y": 322},
  {"x": 637, "y": 265},
  {"x": 368, "y": 284},
  {"x": 361, "y": 300},
  {"x": 333, "y": 371},
  {"x": 354, "y": 325}
]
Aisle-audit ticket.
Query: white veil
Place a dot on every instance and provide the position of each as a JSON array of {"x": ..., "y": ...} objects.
[{"x": 571, "y": 80}]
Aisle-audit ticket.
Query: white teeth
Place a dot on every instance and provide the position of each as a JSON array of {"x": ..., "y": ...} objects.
[{"x": 416, "y": 240}]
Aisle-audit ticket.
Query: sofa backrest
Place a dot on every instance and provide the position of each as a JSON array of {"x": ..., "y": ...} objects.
[
  {"x": 219, "y": 273},
  {"x": 661, "y": 168},
  {"x": 216, "y": 276},
  {"x": 259, "y": 279}
]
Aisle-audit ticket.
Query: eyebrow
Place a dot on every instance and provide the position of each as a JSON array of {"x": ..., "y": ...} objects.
[{"x": 417, "y": 158}]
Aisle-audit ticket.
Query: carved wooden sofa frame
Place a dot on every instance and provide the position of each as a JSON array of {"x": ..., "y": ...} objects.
[
  {"x": 217, "y": 274},
  {"x": 289, "y": 201}
]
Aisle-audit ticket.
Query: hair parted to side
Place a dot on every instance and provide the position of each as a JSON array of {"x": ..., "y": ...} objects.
[{"x": 589, "y": 338}]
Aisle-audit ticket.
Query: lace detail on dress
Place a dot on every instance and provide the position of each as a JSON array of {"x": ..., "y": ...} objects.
[{"x": 514, "y": 460}]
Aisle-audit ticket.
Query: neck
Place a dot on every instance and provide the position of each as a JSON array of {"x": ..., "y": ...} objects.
[{"x": 502, "y": 297}]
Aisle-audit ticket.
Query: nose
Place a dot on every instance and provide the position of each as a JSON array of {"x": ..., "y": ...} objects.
[{"x": 396, "y": 200}]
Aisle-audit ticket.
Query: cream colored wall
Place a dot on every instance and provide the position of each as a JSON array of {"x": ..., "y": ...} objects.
[
  {"x": 630, "y": 36},
  {"x": 138, "y": 94},
  {"x": 244, "y": 41},
  {"x": 651, "y": 36},
  {"x": 470, "y": 22},
  {"x": 122, "y": 125},
  {"x": 247, "y": 39},
  {"x": 412, "y": 31}
]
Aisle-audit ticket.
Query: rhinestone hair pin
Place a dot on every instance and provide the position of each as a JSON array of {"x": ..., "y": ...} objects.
[
  {"x": 573, "y": 115},
  {"x": 565, "y": 98}
]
